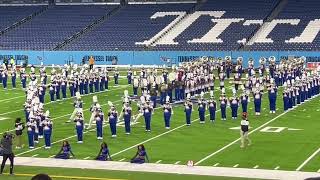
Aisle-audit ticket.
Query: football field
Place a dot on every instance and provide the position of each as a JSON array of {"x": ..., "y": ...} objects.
[{"x": 281, "y": 141}]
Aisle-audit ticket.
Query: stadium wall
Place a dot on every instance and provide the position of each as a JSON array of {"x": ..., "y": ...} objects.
[{"x": 143, "y": 57}]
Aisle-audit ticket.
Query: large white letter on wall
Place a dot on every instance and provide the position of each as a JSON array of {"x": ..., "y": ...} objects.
[
  {"x": 309, "y": 33},
  {"x": 179, "y": 15},
  {"x": 173, "y": 30},
  {"x": 261, "y": 36},
  {"x": 212, "y": 35}
]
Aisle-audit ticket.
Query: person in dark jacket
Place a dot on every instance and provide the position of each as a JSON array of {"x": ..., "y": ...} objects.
[{"x": 6, "y": 146}]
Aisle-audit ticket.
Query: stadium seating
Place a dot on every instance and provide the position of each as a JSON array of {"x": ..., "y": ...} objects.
[
  {"x": 230, "y": 36},
  {"x": 236, "y": 26},
  {"x": 129, "y": 25},
  {"x": 283, "y": 35},
  {"x": 53, "y": 26},
  {"x": 12, "y": 14}
]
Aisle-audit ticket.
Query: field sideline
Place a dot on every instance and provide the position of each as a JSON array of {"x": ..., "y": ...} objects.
[{"x": 282, "y": 141}]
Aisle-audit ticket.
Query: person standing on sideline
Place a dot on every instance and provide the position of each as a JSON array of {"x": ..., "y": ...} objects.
[
  {"x": 91, "y": 62},
  {"x": 244, "y": 131},
  {"x": 19, "y": 127},
  {"x": 6, "y": 145}
]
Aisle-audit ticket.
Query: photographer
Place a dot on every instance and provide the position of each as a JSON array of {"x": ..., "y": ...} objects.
[{"x": 6, "y": 146}]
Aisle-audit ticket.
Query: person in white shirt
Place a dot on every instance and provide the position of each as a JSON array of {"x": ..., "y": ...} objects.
[{"x": 244, "y": 131}]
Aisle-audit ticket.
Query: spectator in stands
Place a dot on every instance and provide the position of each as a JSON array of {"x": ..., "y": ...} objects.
[
  {"x": 91, "y": 62},
  {"x": 65, "y": 151},
  {"x": 6, "y": 146},
  {"x": 141, "y": 155},
  {"x": 104, "y": 154},
  {"x": 41, "y": 177}
]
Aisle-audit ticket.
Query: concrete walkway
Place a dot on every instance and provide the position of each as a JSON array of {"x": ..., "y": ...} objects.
[{"x": 165, "y": 168}]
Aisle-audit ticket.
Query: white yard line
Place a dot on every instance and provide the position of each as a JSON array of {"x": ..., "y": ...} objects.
[
  {"x": 178, "y": 162},
  {"x": 55, "y": 142},
  {"x": 35, "y": 155},
  {"x": 318, "y": 170},
  {"x": 307, "y": 160},
  {"x": 276, "y": 168},
  {"x": 58, "y": 116},
  {"x": 9, "y": 99},
  {"x": 236, "y": 165},
  {"x": 150, "y": 139},
  {"x": 235, "y": 141},
  {"x": 122, "y": 159},
  {"x": 256, "y": 166},
  {"x": 158, "y": 161},
  {"x": 52, "y": 156},
  {"x": 216, "y": 164},
  {"x": 86, "y": 158}
]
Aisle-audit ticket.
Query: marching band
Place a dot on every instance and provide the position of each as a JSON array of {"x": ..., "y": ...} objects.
[{"x": 185, "y": 85}]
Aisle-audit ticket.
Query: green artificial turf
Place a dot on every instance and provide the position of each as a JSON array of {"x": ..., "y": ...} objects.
[{"x": 285, "y": 150}]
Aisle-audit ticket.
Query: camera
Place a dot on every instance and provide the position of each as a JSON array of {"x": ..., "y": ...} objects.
[{"x": 8, "y": 135}]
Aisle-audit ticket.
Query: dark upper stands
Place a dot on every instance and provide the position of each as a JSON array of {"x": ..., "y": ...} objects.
[
  {"x": 12, "y": 14},
  {"x": 129, "y": 25},
  {"x": 52, "y": 27},
  {"x": 132, "y": 23}
]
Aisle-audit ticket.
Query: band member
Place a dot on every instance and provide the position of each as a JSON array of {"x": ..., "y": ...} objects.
[
  {"x": 167, "y": 112},
  {"x": 52, "y": 91},
  {"x": 113, "y": 119},
  {"x": 163, "y": 92},
  {"x": 77, "y": 107},
  {"x": 126, "y": 112},
  {"x": 257, "y": 101},
  {"x": 19, "y": 127},
  {"x": 272, "y": 94},
  {"x": 116, "y": 77},
  {"x": 13, "y": 77},
  {"x": 202, "y": 108},
  {"x": 135, "y": 84},
  {"x": 212, "y": 107},
  {"x": 104, "y": 154},
  {"x": 31, "y": 126},
  {"x": 47, "y": 130},
  {"x": 234, "y": 104},
  {"x": 93, "y": 110},
  {"x": 79, "y": 126},
  {"x": 285, "y": 97},
  {"x": 244, "y": 131},
  {"x": 147, "y": 110},
  {"x": 129, "y": 76},
  {"x": 223, "y": 105},
  {"x": 188, "y": 109},
  {"x": 99, "y": 118},
  {"x": 244, "y": 99}
]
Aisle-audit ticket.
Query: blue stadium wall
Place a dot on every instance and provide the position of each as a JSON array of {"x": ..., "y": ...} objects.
[{"x": 143, "y": 57}]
